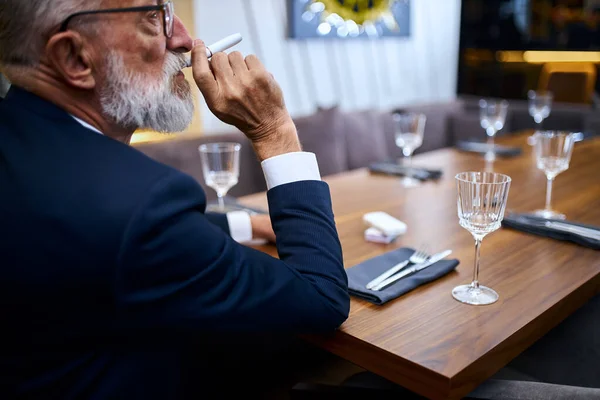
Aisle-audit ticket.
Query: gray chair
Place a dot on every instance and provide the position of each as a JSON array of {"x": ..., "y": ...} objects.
[
  {"x": 364, "y": 132},
  {"x": 183, "y": 155},
  {"x": 346, "y": 140},
  {"x": 562, "y": 117},
  {"x": 375, "y": 388},
  {"x": 524, "y": 390},
  {"x": 323, "y": 134},
  {"x": 467, "y": 126}
]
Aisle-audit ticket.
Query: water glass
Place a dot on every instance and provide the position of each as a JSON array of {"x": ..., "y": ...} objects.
[
  {"x": 492, "y": 116},
  {"x": 481, "y": 204},
  {"x": 540, "y": 105},
  {"x": 409, "y": 129},
  {"x": 221, "y": 168},
  {"x": 553, "y": 152}
]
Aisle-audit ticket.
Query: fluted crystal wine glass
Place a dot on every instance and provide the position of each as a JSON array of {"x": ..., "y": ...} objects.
[{"x": 481, "y": 201}]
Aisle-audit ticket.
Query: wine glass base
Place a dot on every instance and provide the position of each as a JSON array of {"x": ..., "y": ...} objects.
[
  {"x": 549, "y": 214},
  {"x": 409, "y": 182},
  {"x": 217, "y": 209},
  {"x": 475, "y": 296}
]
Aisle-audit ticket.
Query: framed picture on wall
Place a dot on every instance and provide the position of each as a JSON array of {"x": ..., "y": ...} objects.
[{"x": 348, "y": 19}]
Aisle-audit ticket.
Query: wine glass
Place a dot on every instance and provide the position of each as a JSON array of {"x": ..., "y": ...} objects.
[
  {"x": 540, "y": 105},
  {"x": 492, "y": 116},
  {"x": 409, "y": 137},
  {"x": 481, "y": 203},
  {"x": 221, "y": 168},
  {"x": 553, "y": 152}
]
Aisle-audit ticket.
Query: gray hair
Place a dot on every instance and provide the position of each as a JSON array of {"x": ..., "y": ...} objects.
[{"x": 26, "y": 25}]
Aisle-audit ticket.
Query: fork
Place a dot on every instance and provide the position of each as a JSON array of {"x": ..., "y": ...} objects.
[{"x": 417, "y": 257}]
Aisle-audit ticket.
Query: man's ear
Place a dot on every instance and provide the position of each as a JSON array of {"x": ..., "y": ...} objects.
[{"x": 69, "y": 58}]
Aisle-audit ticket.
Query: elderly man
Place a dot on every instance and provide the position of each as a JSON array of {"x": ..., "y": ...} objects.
[{"x": 110, "y": 267}]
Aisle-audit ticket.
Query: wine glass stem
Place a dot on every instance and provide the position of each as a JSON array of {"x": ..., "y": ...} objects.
[
  {"x": 549, "y": 194},
  {"x": 221, "y": 201},
  {"x": 408, "y": 159},
  {"x": 475, "y": 283},
  {"x": 490, "y": 143}
]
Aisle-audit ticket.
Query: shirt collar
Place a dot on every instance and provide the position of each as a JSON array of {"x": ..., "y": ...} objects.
[{"x": 86, "y": 125}]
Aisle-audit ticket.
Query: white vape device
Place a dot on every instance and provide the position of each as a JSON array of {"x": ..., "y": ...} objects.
[{"x": 221, "y": 45}]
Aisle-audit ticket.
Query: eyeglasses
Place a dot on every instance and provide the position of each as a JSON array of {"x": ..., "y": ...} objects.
[{"x": 167, "y": 9}]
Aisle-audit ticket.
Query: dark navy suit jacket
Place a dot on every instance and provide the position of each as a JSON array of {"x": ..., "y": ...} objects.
[{"x": 108, "y": 263}]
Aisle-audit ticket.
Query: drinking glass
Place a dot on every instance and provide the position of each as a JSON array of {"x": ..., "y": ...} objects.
[
  {"x": 553, "y": 152},
  {"x": 409, "y": 128},
  {"x": 221, "y": 168},
  {"x": 481, "y": 204},
  {"x": 492, "y": 116},
  {"x": 540, "y": 105}
]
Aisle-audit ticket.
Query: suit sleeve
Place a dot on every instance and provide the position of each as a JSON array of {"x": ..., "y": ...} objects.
[
  {"x": 219, "y": 220},
  {"x": 177, "y": 270}
]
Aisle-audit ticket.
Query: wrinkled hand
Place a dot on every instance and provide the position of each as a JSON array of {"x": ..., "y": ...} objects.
[
  {"x": 242, "y": 93},
  {"x": 262, "y": 227}
]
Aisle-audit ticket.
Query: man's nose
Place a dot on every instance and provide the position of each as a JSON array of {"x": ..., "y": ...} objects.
[{"x": 181, "y": 41}]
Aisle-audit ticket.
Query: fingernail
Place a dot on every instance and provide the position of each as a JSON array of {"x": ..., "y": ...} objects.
[{"x": 198, "y": 42}]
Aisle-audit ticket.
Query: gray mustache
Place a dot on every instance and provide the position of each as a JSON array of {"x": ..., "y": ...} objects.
[{"x": 175, "y": 62}]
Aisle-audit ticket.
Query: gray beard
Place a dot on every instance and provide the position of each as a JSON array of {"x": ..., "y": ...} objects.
[{"x": 135, "y": 101}]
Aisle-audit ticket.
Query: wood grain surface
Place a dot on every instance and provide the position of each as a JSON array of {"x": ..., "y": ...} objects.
[{"x": 425, "y": 340}]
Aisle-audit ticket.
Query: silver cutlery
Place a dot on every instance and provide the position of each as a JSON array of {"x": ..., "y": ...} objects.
[
  {"x": 588, "y": 233},
  {"x": 418, "y": 257},
  {"x": 432, "y": 260},
  {"x": 578, "y": 230}
]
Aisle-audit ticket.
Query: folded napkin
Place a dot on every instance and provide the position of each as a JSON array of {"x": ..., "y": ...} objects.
[
  {"x": 535, "y": 225},
  {"x": 475, "y": 146},
  {"x": 392, "y": 168},
  {"x": 361, "y": 274}
]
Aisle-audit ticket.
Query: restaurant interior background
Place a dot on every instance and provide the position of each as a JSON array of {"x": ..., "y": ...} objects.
[
  {"x": 453, "y": 49},
  {"x": 346, "y": 77},
  {"x": 449, "y": 50}
]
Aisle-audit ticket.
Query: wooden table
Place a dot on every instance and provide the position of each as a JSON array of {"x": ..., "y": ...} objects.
[{"x": 425, "y": 340}]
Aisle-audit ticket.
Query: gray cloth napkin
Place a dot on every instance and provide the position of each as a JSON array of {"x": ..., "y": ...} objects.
[
  {"x": 363, "y": 273},
  {"x": 534, "y": 225},
  {"x": 482, "y": 148},
  {"x": 393, "y": 168}
]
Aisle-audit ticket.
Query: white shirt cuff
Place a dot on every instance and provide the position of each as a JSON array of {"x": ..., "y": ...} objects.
[
  {"x": 291, "y": 167},
  {"x": 240, "y": 226}
]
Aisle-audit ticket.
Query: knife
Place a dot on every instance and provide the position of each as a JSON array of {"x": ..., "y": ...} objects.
[
  {"x": 416, "y": 268},
  {"x": 387, "y": 274},
  {"x": 588, "y": 233}
]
